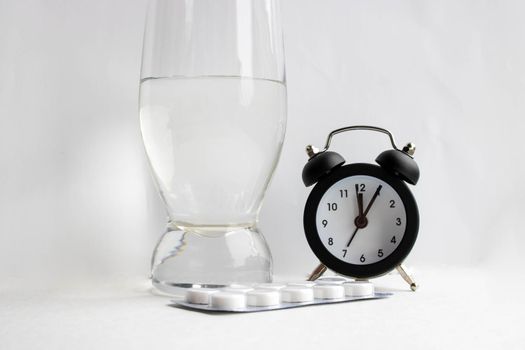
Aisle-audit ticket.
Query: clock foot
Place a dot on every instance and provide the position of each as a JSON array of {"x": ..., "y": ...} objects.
[
  {"x": 318, "y": 272},
  {"x": 402, "y": 271}
]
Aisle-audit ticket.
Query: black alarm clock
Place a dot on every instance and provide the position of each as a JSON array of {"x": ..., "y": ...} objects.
[{"x": 361, "y": 220}]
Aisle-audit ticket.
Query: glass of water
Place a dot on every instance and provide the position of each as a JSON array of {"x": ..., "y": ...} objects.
[{"x": 213, "y": 119}]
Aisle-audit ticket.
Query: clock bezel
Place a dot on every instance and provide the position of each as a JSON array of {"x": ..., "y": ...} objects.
[{"x": 345, "y": 268}]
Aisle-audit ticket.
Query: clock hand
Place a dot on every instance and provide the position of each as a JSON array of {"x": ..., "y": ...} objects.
[
  {"x": 359, "y": 200},
  {"x": 372, "y": 200}
]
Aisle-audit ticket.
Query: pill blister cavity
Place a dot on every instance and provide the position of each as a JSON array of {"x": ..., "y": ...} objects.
[
  {"x": 273, "y": 286},
  {"x": 332, "y": 280},
  {"x": 301, "y": 284},
  {"x": 228, "y": 300},
  {"x": 237, "y": 289},
  {"x": 297, "y": 294},
  {"x": 199, "y": 295},
  {"x": 358, "y": 289},
  {"x": 329, "y": 291},
  {"x": 263, "y": 297}
]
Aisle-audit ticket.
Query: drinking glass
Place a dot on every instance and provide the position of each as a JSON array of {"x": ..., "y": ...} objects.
[{"x": 213, "y": 119}]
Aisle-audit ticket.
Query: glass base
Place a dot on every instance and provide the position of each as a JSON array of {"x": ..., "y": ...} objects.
[{"x": 187, "y": 257}]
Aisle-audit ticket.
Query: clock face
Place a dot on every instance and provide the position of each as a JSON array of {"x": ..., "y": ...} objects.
[
  {"x": 361, "y": 221},
  {"x": 366, "y": 239}
]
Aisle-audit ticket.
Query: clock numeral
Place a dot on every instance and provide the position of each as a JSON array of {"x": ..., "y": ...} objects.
[
  {"x": 398, "y": 221},
  {"x": 344, "y": 252},
  {"x": 330, "y": 241},
  {"x": 393, "y": 240},
  {"x": 332, "y": 206},
  {"x": 380, "y": 253},
  {"x": 362, "y": 258},
  {"x": 362, "y": 188},
  {"x": 392, "y": 203},
  {"x": 324, "y": 222},
  {"x": 344, "y": 193}
]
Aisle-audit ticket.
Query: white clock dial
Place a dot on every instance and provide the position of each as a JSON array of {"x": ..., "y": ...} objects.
[{"x": 346, "y": 234}]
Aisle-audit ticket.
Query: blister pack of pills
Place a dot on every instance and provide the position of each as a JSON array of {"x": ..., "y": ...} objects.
[{"x": 275, "y": 296}]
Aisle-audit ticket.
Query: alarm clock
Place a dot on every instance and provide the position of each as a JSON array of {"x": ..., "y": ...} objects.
[{"x": 361, "y": 220}]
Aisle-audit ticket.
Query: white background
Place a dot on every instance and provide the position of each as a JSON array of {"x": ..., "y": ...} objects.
[{"x": 77, "y": 204}]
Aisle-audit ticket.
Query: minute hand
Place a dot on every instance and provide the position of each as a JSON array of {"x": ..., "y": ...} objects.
[{"x": 372, "y": 200}]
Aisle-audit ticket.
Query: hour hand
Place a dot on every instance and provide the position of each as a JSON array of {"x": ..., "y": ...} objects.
[
  {"x": 360, "y": 204},
  {"x": 359, "y": 200}
]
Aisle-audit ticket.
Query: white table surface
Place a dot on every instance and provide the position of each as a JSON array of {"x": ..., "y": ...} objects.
[{"x": 455, "y": 308}]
